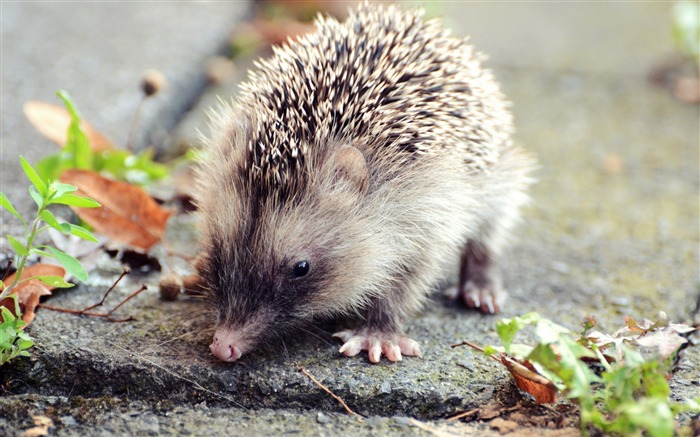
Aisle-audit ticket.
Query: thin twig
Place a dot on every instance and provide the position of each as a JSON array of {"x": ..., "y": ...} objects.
[
  {"x": 479, "y": 348},
  {"x": 126, "y": 271},
  {"x": 336, "y": 397},
  {"x": 131, "y": 296},
  {"x": 465, "y": 414},
  {"x": 466, "y": 343},
  {"x": 86, "y": 312}
]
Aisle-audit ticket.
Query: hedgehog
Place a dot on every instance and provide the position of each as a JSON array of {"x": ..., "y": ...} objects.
[{"x": 362, "y": 167}]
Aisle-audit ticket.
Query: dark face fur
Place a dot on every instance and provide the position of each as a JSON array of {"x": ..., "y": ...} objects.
[{"x": 274, "y": 266}]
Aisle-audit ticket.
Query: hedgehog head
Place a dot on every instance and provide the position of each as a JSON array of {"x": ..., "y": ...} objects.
[{"x": 281, "y": 242}]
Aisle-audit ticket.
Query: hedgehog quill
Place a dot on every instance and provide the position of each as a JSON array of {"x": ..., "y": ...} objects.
[{"x": 362, "y": 166}]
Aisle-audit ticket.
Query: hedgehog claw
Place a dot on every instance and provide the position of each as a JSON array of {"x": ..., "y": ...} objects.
[
  {"x": 488, "y": 298},
  {"x": 392, "y": 346}
]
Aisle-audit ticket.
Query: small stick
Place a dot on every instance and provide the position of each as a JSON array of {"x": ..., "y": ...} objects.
[
  {"x": 86, "y": 311},
  {"x": 323, "y": 387},
  {"x": 128, "y": 298},
  {"x": 126, "y": 271},
  {"x": 465, "y": 414},
  {"x": 466, "y": 343}
]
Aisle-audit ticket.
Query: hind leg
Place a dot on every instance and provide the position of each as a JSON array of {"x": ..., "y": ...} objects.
[{"x": 480, "y": 283}]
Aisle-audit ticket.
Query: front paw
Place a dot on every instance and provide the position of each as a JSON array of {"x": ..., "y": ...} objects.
[{"x": 392, "y": 345}]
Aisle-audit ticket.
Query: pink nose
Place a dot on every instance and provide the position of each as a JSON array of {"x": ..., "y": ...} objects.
[{"x": 225, "y": 346}]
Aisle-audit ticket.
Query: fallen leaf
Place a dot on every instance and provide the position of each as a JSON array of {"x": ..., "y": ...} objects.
[
  {"x": 30, "y": 292},
  {"x": 633, "y": 327},
  {"x": 42, "y": 423},
  {"x": 128, "y": 215},
  {"x": 529, "y": 380},
  {"x": 52, "y": 121},
  {"x": 666, "y": 340},
  {"x": 603, "y": 341},
  {"x": 661, "y": 335},
  {"x": 526, "y": 376}
]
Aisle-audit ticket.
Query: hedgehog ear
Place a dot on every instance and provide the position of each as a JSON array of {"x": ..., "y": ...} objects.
[{"x": 350, "y": 165}]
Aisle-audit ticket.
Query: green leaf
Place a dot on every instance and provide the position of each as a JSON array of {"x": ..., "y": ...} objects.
[
  {"x": 53, "y": 281},
  {"x": 77, "y": 143},
  {"x": 548, "y": 331},
  {"x": 492, "y": 350},
  {"x": 68, "y": 101},
  {"x": 61, "y": 188},
  {"x": 651, "y": 415},
  {"x": 17, "y": 246},
  {"x": 15, "y": 298},
  {"x": 576, "y": 373},
  {"x": 73, "y": 200},
  {"x": 7, "y": 315},
  {"x": 5, "y": 203},
  {"x": 40, "y": 252},
  {"x": 38, "y": 198},
  {"x": 81, "y": 232},
  {"x": 33, "y": 176},
  {"x": 49, "y": 218},
  {"x": 71, "y": 264},
  {"x": 138, "y": 169},
  {"x": 507, "y": 328}
]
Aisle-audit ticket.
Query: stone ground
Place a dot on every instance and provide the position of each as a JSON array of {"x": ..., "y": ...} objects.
[{"x": 612, "y": 230}]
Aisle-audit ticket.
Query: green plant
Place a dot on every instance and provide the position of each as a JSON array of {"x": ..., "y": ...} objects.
[
  {"x": 14, "y": 342},
  {"x": 628, "y": 394},
  {"x": 45, "y": 195},
  {"x": 138, "y": 169}
]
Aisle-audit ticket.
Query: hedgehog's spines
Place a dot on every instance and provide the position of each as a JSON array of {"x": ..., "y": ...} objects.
[{"x": 400, "y": 86}]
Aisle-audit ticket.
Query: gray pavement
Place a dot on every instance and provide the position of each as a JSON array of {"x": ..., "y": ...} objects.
[{"x": 609, "y": 240}]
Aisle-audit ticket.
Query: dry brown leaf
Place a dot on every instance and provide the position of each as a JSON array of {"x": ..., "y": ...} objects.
[
  {"x": 128, "y": 215},
  {"x": 52, "y": 121},
  {"x": 665, "y": 340},
  {"x": 527, "y": 379},
  {"x": 525, "y": 375},
  {"x": 31, "y": 291},
  {"x": 637, "y": 327},
  {"x": 42, "y": 423}
]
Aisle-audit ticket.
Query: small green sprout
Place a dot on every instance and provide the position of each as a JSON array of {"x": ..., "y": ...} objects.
[
  {"x": 14, "y": 341},
  {"x": 624, "y": 396},
  {"x": 137, "y": 169}
]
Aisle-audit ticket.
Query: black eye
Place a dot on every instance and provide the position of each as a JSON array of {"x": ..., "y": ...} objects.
[{"x": 301, "y": 269}]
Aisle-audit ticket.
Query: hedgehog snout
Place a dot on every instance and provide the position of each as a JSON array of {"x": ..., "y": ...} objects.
[{"x": 227, "y": 345}]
